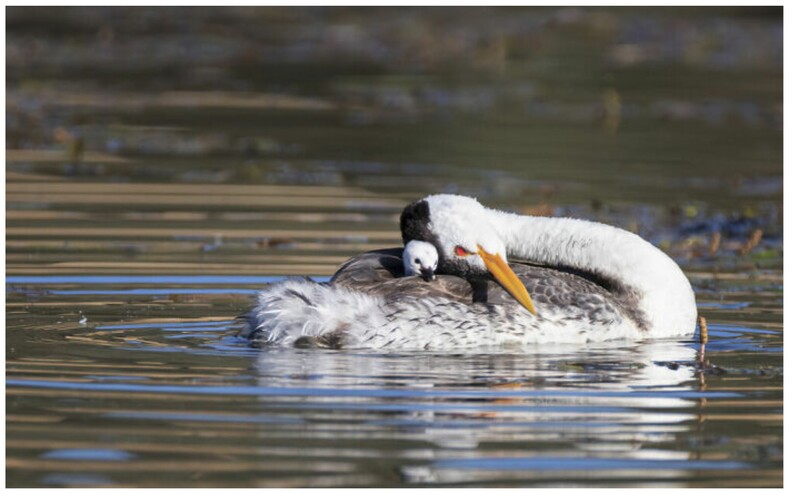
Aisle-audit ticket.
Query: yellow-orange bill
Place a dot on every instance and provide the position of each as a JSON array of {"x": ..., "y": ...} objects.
[{"x": 507, "y": 278}]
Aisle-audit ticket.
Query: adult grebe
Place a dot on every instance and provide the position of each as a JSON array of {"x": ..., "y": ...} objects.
[{"x": 579, "y": 281}]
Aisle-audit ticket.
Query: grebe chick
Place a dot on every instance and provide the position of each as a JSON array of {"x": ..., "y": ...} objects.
[{"x": 420, "y": 259}]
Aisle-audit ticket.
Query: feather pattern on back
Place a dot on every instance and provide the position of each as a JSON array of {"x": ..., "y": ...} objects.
[{"x": 368, "y": 303}]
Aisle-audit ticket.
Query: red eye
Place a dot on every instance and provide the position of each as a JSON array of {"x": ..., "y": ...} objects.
[{"x": 461, "y": 251}]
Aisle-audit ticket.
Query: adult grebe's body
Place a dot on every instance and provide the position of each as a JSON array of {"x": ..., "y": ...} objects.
[{"x": 579, "y": 281}]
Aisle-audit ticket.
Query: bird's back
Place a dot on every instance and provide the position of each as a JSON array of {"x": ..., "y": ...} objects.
[
  {"x": 380, "y": 273},
  {"x": 554, "y": 291},
  {"x": 369, "y": 303}
]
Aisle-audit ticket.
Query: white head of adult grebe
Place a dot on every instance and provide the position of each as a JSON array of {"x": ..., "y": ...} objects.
[
  {"x": 474, "y": 241},
  {"x": 420, "y": 259}
]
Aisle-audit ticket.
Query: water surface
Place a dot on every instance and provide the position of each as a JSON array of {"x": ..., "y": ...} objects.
[{"x": 161, "y": 169}]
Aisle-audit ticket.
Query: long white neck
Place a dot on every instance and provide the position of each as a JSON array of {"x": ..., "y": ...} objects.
[{"x": 663, "y": 291}]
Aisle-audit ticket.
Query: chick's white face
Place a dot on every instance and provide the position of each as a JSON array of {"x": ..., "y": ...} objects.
[{"x": 420, "y": 259}]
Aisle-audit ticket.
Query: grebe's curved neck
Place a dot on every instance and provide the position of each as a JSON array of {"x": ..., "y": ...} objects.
[{"x": 631, "y": 265}]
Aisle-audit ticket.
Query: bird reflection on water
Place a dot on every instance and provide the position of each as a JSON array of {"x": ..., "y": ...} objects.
[{"x": 581, "y": 402}]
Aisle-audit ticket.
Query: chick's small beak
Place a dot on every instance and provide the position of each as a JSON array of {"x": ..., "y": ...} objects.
[
  {"x": 427, "y": 274},
  {"x": 507, "y": 278}
]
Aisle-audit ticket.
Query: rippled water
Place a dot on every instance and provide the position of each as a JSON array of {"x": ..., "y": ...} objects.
[
  {"x": 106, "y": 378},
  {"x": 143, "y": 211}
]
